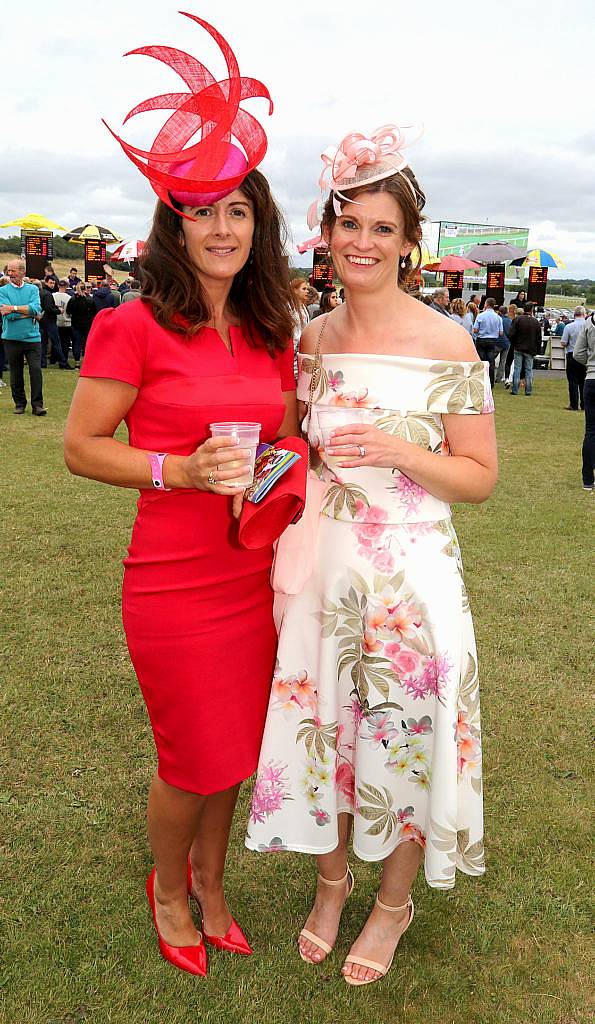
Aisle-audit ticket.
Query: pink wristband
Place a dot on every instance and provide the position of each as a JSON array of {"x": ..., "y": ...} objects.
[{"x": 156, "y": 461}]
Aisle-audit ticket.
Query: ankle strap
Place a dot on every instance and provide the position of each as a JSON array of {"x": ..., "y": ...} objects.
[
  {"x": 336, "y": 881},
  {"x": 393, "y": 910}
]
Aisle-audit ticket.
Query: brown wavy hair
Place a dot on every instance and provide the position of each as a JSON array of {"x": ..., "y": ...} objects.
[
  {"x": 259, "y": 295},
  {"x": 412, "y": 217}
]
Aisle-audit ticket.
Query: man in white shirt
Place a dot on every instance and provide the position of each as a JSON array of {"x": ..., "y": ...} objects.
[{"x": 62, "y": 297}]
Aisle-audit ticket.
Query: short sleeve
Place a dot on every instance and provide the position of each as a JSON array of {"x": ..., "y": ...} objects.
[
  {"x": 116, "y": 348},
  {"x": 488, "y": 398},
  {"x": 286, "y": 368},
  {"x": 462, "y": 388}
]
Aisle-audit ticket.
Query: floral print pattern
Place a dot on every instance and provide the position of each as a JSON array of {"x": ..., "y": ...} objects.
[
  {"x": 374, "y": 707},
  {"x": 426, "y": 391},
  {"x": 270, "y": 790}
]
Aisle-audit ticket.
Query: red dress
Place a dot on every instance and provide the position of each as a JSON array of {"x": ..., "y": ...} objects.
[{"x": 197, "y": 608}]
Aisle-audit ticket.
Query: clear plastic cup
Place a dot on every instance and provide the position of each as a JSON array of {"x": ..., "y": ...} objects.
[
  {"x": 248, "y": 435},
  {"x": 330, "y": 417}
]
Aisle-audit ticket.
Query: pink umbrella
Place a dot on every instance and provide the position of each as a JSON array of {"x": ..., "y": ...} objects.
[
  {"x": 128, "y": 251},
  {"x": 311, "y": 243},
  {"x": 452, "y": 263}
]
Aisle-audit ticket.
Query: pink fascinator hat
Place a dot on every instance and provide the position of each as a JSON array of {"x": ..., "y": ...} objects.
[
  {"x": 212, "y": 167},
  {"x": 359, "y": 159}
]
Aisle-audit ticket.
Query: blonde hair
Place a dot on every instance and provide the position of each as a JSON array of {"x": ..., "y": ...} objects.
[{"x": 457, "y": 306}]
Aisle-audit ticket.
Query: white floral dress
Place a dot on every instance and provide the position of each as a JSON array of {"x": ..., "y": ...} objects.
[{"x": 374, "y": 706}]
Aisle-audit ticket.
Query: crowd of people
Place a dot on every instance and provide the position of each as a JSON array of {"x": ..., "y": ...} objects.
[
  {"x": 507, "y": 337},
  {"x": 42, "y": 322}
]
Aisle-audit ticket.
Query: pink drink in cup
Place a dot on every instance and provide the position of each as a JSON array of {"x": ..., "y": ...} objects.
[{"x": 247, "y": 435}]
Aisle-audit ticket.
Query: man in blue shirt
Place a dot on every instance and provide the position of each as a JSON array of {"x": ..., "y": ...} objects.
[
  {"x": 487, "y": 329},
  {"x": 575, "y": 372},
  {"x": 503, "y": 344},
  {"x": 20, "y": 307}
]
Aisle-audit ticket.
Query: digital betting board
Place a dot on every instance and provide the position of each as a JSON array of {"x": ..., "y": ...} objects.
[
  {"x": 95, "y": 258},
  {"x": 453, "y": 280},
  {"x": 455, "y": 238},
  {"x": 322, "y": 270},
  {"x": 37, "y": 250},
  {"x": 495, "y": 282},
  {"x": 537, "y": 286}
]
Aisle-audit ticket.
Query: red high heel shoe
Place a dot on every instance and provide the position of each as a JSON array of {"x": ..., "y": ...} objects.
[
  {"x": 187, "y": 958},
  {"x": 234, "y": 940}
]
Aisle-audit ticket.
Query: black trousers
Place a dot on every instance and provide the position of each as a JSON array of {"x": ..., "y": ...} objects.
[
  {"x": 17, "y": 352},
  {"x": 50, "y": 333},
  {"x": 486, "y": 350},
  {"x": 575, "y": 373},
  {"x": 65, "y": 340},
  {"x": 79, "y": 341},
  {"x": 589, "y": 441}
]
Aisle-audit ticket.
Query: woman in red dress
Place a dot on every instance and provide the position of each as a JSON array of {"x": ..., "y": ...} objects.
[{"x": 210, "y": 340}]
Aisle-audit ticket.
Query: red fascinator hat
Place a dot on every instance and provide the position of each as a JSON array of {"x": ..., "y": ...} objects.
[{"x": 212, "y": 167}]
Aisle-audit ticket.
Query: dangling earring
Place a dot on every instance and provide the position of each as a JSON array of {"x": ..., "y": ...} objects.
[{"x": 403, "y": 264}]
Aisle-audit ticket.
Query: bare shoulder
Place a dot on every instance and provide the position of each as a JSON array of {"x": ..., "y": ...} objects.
[
  {"x": 310, "y": 334},
  {"x": 435, "y": 336}
]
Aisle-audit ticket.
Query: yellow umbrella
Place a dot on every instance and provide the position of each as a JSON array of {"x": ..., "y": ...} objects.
[
  {"x": 92, "y": 232},
  {"x": 426, "y": 255},
  {"x": 33, "y": 222},
  {"x": 542, "y": 258}
]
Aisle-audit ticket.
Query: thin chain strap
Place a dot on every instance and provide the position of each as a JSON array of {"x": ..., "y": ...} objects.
[{"x": 313, "y": 377}]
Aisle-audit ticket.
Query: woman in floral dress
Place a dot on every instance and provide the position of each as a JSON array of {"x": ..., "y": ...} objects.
[{"x": 373, "y": 722}]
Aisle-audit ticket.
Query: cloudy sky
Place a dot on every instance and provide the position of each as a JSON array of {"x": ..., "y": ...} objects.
[{"x": 504, "y": 92}]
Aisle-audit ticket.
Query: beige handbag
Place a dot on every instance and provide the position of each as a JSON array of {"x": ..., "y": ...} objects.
[{"x": 295, "y": 551}]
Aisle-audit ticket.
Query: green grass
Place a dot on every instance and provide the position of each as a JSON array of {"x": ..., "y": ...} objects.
[
  {"x": 563, "y": 301},
  {"x": 76, "y": 939}
]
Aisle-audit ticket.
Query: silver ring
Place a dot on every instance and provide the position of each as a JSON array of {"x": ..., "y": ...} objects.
[
  {"x": 362, "y": 451},
  {"x": 211, "y": 478}
]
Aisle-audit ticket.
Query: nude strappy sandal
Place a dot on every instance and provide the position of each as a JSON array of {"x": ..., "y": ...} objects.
[
  {"x": 382, "y": 969},
  {"x": 324, "y": 946}
]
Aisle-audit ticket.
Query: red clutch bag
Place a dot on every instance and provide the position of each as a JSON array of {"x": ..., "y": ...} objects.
[{"x": 262, "y": 524}]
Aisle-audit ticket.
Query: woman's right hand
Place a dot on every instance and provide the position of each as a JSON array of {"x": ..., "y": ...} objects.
[{"x": 218, "y": 459}]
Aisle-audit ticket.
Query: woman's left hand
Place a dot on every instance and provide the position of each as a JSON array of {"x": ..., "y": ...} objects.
[{"x": 360, "y": 444}]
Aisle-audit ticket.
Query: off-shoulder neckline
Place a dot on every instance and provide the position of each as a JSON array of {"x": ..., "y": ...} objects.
[{"x": 386, "y": 355}]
